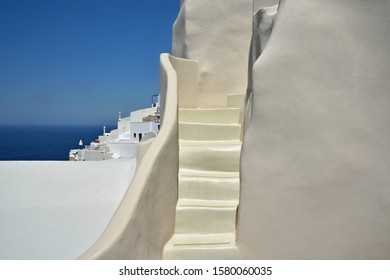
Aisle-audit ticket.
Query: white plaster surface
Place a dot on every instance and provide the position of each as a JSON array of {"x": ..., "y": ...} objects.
[
  {"x": 315, "y": 168},
  {"x": 144, "y": 220},
  {"x": 217, "y": 34},
  {"x": 57, "y": 209},
  {"x": 209, "y": 157}
]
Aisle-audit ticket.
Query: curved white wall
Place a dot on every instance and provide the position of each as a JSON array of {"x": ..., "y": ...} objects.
[
  {"x": 144, "y": 220},
  {"x": 315, "y": 180}
]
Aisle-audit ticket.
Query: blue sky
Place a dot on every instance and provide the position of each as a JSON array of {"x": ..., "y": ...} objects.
[{"x": 80, "y": 61}]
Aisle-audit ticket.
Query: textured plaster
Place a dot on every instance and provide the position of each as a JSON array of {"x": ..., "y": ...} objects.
[
  {"x": 217, "y": 34},
  {"x": 315, "y": 165},
  {"x": 144, "y": 220}
]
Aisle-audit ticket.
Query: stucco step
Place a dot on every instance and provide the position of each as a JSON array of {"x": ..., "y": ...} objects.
[
  {"x": 210, "y": 156},
  {"x": 213, "y": 174},
  {"x": 201, "y": 247},
  {"x": 205, "y": 217},
  {"x": 235, "y": 100},
  {"x": 209, "y": 131},
  {"x": 213, "y": 188},
  {"x": 210, "y": 115}
]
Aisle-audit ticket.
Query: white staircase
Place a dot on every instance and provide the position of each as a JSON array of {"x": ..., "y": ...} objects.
[{"x": 209, "y": 161}]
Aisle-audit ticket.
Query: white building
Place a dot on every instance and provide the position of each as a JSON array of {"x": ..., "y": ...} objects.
[{"x": 123, "y": 141}]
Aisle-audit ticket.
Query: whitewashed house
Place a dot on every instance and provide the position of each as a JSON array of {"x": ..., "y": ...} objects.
[{"x": 122, "y": 142}]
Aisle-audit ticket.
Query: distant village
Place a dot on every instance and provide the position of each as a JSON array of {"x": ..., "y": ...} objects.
[{"x": 123, "y": 141}]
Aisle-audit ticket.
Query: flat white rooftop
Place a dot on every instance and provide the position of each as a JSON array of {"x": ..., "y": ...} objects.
[{"x": 57, "y": 209}]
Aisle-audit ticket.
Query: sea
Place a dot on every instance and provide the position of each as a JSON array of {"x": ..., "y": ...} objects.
[{"x": 44, "y": 142}]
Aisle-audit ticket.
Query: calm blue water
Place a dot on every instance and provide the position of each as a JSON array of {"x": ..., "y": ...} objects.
[{"x": 44, "y": 142}]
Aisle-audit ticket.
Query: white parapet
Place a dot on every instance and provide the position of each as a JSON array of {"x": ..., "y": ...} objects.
[
  {"x": 57, "y": 209},
  {"x": 144, "y": 220}
]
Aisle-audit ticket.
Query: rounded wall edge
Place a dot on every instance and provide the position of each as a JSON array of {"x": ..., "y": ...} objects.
[{"x": 144, "y": 220}]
